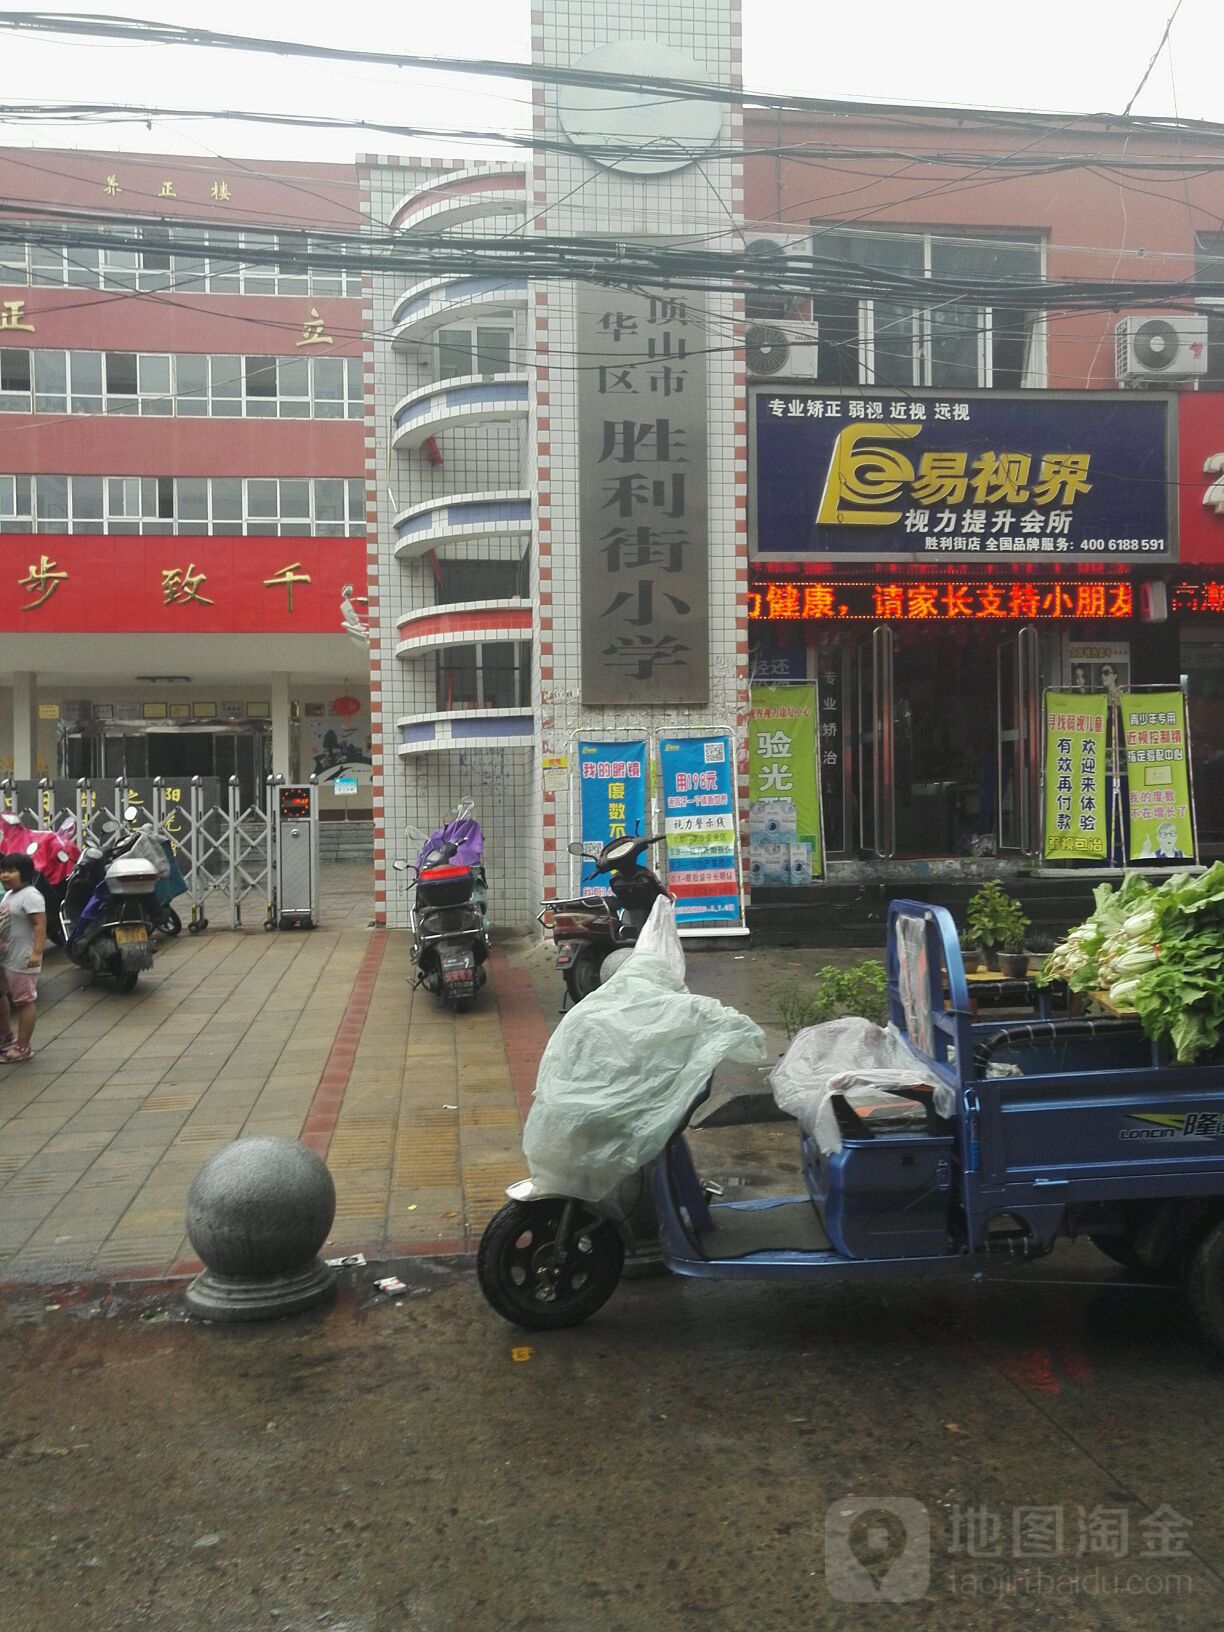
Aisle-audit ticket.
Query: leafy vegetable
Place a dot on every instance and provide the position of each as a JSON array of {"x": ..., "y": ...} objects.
[{"x": 1160, "y": 952}]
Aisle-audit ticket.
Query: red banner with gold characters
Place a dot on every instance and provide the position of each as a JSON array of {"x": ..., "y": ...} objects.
[{"x": 54, "y": 583}]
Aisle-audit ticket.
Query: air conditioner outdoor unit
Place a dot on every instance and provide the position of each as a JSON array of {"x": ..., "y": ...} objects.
[
  {"x": 766, "y": 255},
  {"x": 1165, "y": 346},
  {"x": 782, "y": 351}
]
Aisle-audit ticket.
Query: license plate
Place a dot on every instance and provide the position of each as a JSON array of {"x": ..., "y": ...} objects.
[{"x": 131, "y": 934}]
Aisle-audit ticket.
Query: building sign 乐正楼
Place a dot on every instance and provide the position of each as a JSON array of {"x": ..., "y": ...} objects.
[
  {"x": 933, "y": 477},
  {"x": 643, "y": 459}
]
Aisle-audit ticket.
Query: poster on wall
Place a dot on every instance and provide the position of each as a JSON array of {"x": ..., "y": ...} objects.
[
  {"x": 333, "y": 743},
  {"x": 1075, "y": 777},
  {"x": 1159, "y": 806},
  {"x": 612, "y": 796},
  {"x": 699, "y": 823},
  {"x": 784, "y": 826},
  {"x": 1098, "y": 665}
]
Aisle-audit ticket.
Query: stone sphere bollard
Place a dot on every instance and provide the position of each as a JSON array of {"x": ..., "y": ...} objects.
[{"x": 257, "y": 1214}]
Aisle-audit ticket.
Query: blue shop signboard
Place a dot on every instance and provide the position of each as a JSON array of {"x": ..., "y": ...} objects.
[{"x": 961, "y": 477}]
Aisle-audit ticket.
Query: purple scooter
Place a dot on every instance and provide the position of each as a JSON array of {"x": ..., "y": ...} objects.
[{"x": 450, "y": 929}]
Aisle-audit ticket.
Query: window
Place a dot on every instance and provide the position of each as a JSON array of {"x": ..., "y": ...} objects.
[
  {"x": 261, "y": 505},
  {"x": 1209, "y": 268},
  {"x": 961, "y": 343},
  {"x": 120, "y": 375},
  {"x": 473, "y": 349},
  {"x": 14, "y": 381},
  {"x": 480, "y": 580},
  {"x": 259, "y": 376},
  {"x": 184, "y": 258},
  {"x": 492, "y": 674}
]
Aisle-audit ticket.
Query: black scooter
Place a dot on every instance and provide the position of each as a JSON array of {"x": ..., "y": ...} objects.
[
  {"x": 110, "y": 908},
  {"x": 450, "y": 926},
  {"x": 587, "y": 930}
]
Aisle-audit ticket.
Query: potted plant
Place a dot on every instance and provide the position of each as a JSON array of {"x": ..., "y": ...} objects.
[
  {"x": 994, "y": 920},
  {"x": 1013, "y": 959}
]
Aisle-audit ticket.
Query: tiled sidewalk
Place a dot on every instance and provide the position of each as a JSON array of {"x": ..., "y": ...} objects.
[{"x": 243, "y": 1032}]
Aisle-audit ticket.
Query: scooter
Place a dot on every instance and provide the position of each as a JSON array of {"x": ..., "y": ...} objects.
[
  {"x": 110, "y": 909},
  {"x": 1011, "y": 1137},
  {"x": 54, "y": 852},
  {"x": 586, "y": 930},
  {"x": 450, "y": 926}
]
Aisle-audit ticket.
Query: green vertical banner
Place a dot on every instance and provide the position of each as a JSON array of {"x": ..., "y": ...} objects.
[
  {"x": 1076, "y": 782},
  {"x": 1160, "y": 812},
  {"x": 786, "y": 843}
]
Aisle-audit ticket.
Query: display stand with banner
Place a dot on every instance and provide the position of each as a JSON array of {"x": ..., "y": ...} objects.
[
  {"x": 1159, "y": 809},
  {"x": 1076, "y": 802},
  {"x": 1116, "y": 777},
  {"x": 612, "y": 778},
  {"x": 697, "y": 776},
  {"x": 785, "y": 831}
]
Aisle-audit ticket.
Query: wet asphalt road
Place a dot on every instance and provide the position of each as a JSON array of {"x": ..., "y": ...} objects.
[{"x": 394, "y": 1465}]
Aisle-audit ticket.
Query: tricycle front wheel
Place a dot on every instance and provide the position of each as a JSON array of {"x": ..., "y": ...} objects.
[
  {"x": 1205, "y": 1287},
  {"x": 517, "y": 1253}
]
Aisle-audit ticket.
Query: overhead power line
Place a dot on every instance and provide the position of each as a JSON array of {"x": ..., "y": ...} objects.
[
  {"x": 602, "y": 260},
  {"x": 144, "y": 31}
]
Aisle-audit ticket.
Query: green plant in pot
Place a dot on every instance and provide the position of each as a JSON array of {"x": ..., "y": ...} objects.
[
  {"x": 996, "y": 922},
  {"x": 1013, "y": 959}
]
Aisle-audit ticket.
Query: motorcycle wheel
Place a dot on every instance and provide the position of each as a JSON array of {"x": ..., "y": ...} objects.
[
  {"x": 583, "y": 977},
  {"x": 127, "y": 980},
  {"x": 517, "y": 1240},
  {"x": 169, "y": 923}
]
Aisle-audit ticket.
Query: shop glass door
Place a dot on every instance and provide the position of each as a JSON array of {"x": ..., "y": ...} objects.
[
  {"x": 873, "y": 739},
  {"x": 1017, "y": 690}
]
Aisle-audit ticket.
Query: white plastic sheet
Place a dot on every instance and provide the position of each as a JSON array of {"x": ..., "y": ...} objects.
[
  {"x": 624, "y": 1065},
  {"x": 848, "y": 1056}
]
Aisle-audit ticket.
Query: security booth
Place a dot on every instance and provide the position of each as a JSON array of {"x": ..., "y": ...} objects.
[{"x": 296, "y": 893}]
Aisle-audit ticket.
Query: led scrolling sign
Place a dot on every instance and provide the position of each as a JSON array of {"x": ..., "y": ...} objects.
[{"x": 1034, "y": 600}]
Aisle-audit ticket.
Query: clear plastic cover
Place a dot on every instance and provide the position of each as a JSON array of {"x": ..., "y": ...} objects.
[
  {"x": 624, "y": 1066},
  {"x": 853, "y": 1057}
]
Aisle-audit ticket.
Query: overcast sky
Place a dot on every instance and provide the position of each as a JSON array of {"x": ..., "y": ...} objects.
[{"x": 1061, "y": 55}]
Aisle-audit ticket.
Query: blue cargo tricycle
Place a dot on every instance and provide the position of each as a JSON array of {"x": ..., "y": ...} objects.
[{"x": 1030, "y": 1131}]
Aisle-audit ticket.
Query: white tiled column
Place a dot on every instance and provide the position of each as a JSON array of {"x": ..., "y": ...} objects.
[{"x": 25, "y": 725}]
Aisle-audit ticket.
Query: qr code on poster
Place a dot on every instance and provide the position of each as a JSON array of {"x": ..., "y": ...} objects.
[{"x": 715, "y": 753}]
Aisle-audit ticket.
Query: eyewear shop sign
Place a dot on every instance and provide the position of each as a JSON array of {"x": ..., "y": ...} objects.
[
  {"x": 699, "y": 822},
  {"x": 1034, "y": 475},
  {"x": 643, "y": 450}
]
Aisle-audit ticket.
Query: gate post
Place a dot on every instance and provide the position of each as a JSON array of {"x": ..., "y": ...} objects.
[{"x": 232, "y": 839}]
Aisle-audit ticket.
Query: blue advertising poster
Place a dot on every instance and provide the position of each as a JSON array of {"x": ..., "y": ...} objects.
[
  {"x": 699, "y": 822},
  {"x": 612, "y": 779},
  {"x": 941, "y": 476}
]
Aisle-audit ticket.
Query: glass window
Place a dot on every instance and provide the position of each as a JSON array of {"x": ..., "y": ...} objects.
[
  {"x": 14, "y": 380},
  {"x": 260, "y": 376},
  {"x": 493, "y": 350},
  {"x": 295, "y": 500},
  {"x": 262, "y": 498},
  {"x": 165, "y": 496},
  {"x": 223, "y": 275},
  {"x": 356, "y": 499},
  {"x": 13, "y": 263},
  {"x": 153, "y": 374},
  {"x": 83, "y": 269},
  {"x": 8, "y": 497},
  {"x": 292, "y": 276},
  {"x": 457, "y": 678},
  {"x": 46, "y": 265},
  {"x": 329, "y": 499},
  {"x": 454, "y": 353},
  {"x": 227, "y": 498},
  {"x": 51, "y": 382},
  {"x": 86, "y": 377},
  {"x": 86, "y": 501},
  {"x": 498, "y": 668},
  {"x": 477, "y": 580},
  {"x": 122, "y": 496},
  {"x": 121, "y": 373},
  {"x": 903, "y": 343},
  {"x": 51, "y": 496},
  {"x": 192, "y": 496},
  {"x": 225, "y": 396},
  {"x": 191, "y": 384}
]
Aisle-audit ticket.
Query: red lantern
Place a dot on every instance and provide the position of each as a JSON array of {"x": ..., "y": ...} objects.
[{"x": 345, "y": 707}]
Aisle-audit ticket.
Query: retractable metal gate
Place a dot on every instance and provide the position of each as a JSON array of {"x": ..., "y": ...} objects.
[{"x": 226, "y": 850}]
